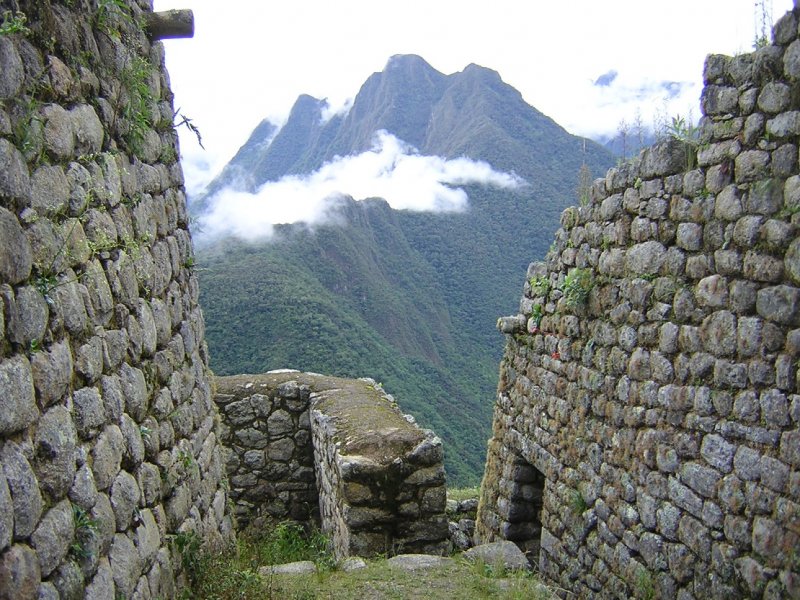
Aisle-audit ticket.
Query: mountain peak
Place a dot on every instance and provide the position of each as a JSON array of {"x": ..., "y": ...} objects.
[{"x": 406, "y": 61}]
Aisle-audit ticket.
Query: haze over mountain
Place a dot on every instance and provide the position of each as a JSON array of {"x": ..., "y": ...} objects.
[{"x": 408, "y": 297}]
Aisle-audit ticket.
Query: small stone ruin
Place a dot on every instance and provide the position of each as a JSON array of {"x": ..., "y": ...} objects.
[{"x": 337, "y": 452}]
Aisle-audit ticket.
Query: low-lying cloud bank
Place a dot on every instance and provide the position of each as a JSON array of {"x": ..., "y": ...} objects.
[{"x": 392, "y": 170}]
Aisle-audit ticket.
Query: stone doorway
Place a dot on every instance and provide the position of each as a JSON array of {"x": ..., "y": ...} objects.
[{"x": 522, "y": 513}]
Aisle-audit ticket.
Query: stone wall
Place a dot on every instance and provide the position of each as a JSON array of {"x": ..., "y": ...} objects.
[
  {"x": 108, "y": 442},
  {"x": 266, "y": 431},
  {"x": 646, "y": 439},
  {"x": 337, "y": 452}
]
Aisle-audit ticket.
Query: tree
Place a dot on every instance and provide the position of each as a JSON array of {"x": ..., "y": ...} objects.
[{"x": 584, "y": 184}]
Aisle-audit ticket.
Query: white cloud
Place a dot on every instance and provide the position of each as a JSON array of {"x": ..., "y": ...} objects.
[
  {"x": 335, "y": 109},
  {"x": 391, "y": 170}
]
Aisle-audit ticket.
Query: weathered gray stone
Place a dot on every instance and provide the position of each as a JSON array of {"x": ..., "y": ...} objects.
[
  {"x": 50, "y": 190},
  {"x": 89, "y": 359},
  {"x": 48, "y": 591},
  {"x": 124, "y": 499},
  {"x": 148, "y": 324},
  {"x": 774, "y": 97},
  {"x": 134, "y": 389},
  {"x": 695, "y": 535},
  {"x": 719, "y": 333},
  {"x": 59, "y": 139},
  {"x": 107, "y": 455},
  {"x": 684, "y": 498},
  {"x": 415, "y": 562},
  {"x": 6, "y": 514},
  {"x": 83, "y": 492},
  {"x": 774, "y": 474},
  {"x": 728, "y": 204},
  {"x": 90, "y": 415},
  {"x": 743, "y": 296},
  {"x": 774, "y": 408},
  {"x": 14, "y": 177},
  {"x": 88, "y": 129},
  {"x": 762, "y": 267},
  {"x": 11, "y": 67},
  {"x": 765, "y": 197},
  {"x": 719, "y": 100},
  {"x": 53, "y": 536},
  {"x": 25, "y": 495},
  {"x": 67, "y": 581},
  {"x": 303, "y": 567},
  {"x": 101, "y": 587},
  {"x": 790, "y": 448},
  {"x": 115, "y": 344},
  {"x": 746, "y": 407},
  {"x": 16, "y": 257},
  {"x": 54, "y": 444},
  {"x": 702, "y": 480},
  {"x": 664, "y": 158},
  {"x": 19, "y": 574},
  {"x": 27, "y": 317},
  {"x": 690, "y": 236},
  {"x": 729, "y": 374},
  {"x": 18, "y": 408},
  {"x": 783, "y": 160},
  {"x": 52, "y": 371},
  {"x": 717, "y": 452},
  {"x": 780, "y": 304},
  {"x": 712, "y": 291},
  {"x": 791, "y": 261},
  {"x": 352, "y": 563},
  {"x": 148, "y": 538},
  {"x": 645, "y": 258},
  {"x": 126, "y": 565},
  {"x": 784, "y": 125}
]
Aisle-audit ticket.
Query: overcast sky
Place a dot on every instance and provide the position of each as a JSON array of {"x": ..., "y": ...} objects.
[{"x": 250, "y": 59}]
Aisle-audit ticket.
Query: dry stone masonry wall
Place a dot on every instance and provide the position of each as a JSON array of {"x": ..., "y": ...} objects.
[
  {"x": 646, "y": 439},
  {"x": 108, "y": 446},
  {"x": 337, "y": 452},
  {"x": 267, "y": 435}
]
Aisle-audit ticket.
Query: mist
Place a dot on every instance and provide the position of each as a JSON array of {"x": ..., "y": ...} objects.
[{"x": 391, "y": 169}]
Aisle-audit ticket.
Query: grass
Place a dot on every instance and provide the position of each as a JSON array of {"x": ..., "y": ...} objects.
[
  {"x": 234, "y": 574},
  {"x": 459, "y": 494}
]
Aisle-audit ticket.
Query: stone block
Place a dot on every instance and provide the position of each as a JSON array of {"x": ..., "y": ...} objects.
[
  {"x": 53, "y": 536},
  {"x": 16, "y": 256},
  {"x": 18, "y": 409},
  {"x": 20, "y": 574},
  {"x": 780, "y": 303},
  {"x": 717, "y": 452}
]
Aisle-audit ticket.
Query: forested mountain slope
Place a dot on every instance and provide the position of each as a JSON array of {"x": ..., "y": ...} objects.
[{"x": 408, "y": 298}]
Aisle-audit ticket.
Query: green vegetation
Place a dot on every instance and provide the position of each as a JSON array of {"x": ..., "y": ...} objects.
[
  {"x": 644, "y": 589},
  {"x": 85, "y": 532},
  {"x": 576, "y": 287},
  {"x": 234, "y": 574},
  {"x": 289, "y": 542},
  {"x": 188, "y": 546},
  {"x": 584, "y": 184},
  {"x": 14, "y": 22},
  {"x": 459, "y": 494},
  {"x": 111, "y": 15},
  {"x": 136, "y": 108},
  {"x": 686, "y": 132},
  {"x": 27, "y": 130},
  {"x": 577, "y": 503},
  {"x": 540, "y": 286}
]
